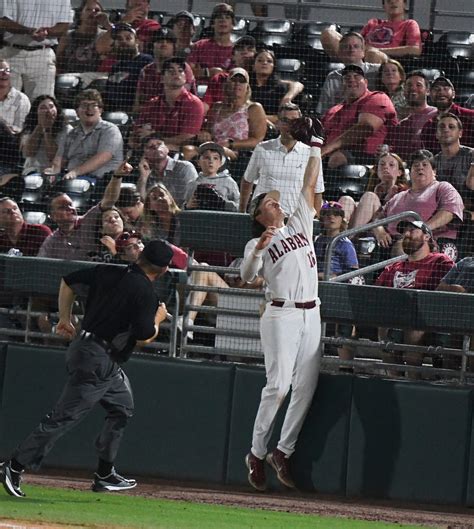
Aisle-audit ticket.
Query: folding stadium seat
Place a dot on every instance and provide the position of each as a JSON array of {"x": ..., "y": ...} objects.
[
  {"x": 33, "y": 192},
  {"x": 80, "y": 192},
  {"x": 35, "y": 217},
  {"x": 458, "y": 43},
  {"x": 67, "y": 86},
  {"x": 290, "y": 69},
  {"x": 465, "y": 84},
  {"x": 432, "y": 73},
  {"x": 346, "y": 180},
  {"x": 310, "y": 34},
  {"x": 240, "y": 28},
  {"x": 273, "y": 32},
  {"x": 70, "y": 115},
  {"x": 121, "y": 119}
]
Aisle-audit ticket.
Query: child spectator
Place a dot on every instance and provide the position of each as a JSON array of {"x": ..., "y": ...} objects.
[
  {"x": 213, "y": 189},
  {"x": 344, "y": 257}
]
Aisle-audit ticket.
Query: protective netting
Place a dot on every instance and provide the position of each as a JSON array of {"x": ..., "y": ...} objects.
[{"x": 121, "y": 123}]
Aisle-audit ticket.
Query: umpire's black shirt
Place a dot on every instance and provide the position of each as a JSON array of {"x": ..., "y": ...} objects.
[{"x": 118, "y": 300}]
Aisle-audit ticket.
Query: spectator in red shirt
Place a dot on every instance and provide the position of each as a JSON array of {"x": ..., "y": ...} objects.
[
  {"x": 16, "y": 233},
  {"x": 405, "y": 137},
  {"x": 136, "y": 14},
  {"x": 149, "y": 82},
  {"x": 209, "y": 55},
  {"x": 243, "y": 54},
  {"x": 356, "y": 127},
  {"x": 395, "y": 37},
  {"x": 176, "y": 116},
  {"x": 183, "y": 27},
  {"x": 422, "y": 270},
  {"x": 442, "y": 94}
]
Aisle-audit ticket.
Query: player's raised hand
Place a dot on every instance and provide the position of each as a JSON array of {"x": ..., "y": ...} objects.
[
  {"x": 266, "y": 237},
  {"x": 66, "y": 329}
]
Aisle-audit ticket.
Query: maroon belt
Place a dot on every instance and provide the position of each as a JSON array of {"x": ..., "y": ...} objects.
[{"x": 296, "y": 304}]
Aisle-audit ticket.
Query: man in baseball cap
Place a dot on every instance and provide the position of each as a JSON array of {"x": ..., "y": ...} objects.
[
  {"x": 442, "y": 95},
  {"x": 158, "y": 253},
  {"x": 414, "y": 224}
]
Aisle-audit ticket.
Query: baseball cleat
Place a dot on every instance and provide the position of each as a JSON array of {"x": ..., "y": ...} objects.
[
  {"x": 11, "y": 480},
  {"x": 256, "y": 474},
  {"x": 112, "y": 482},
  {"x": 281, "y": 465}
]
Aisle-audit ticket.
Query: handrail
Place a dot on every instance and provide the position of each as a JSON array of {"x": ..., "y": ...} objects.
[{"x": 362, "y": 229}]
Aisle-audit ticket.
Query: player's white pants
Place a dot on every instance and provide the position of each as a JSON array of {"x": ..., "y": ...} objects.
[{"x": 291, "y": 346}]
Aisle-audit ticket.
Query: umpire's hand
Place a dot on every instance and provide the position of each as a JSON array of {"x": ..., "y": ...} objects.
[
  {"x": 66, "y": 329},
  {"x": 160, "y": 314}
]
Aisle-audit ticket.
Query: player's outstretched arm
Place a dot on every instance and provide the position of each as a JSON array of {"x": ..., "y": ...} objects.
[{"x": 311, "y": 132}]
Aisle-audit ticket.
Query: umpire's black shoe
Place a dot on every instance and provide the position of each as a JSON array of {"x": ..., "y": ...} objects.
[
  {"x": 112, "y": 482},
  {"x": 11, "y": 480}
]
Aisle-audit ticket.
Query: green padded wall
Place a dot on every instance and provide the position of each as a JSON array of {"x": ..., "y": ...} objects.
[
  {"x": 470, "y": 461},
  {"x": 181, "y": 420},
  {"x": 319, "y": 460},
  {"x": 3, "y": 356},
  {"x": 408, "y": 441},
  {"x": 34, "y": 377},
  {"x": 179, "y": 429}
]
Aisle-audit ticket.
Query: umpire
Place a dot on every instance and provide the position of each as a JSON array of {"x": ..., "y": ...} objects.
[{"x": 122, "y": 311}]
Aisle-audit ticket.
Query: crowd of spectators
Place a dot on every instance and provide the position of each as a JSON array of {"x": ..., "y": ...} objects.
[{"x": 210, "y": 127}]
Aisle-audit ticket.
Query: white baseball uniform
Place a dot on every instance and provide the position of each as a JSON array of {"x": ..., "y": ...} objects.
[{"x": 290, "y": 336}]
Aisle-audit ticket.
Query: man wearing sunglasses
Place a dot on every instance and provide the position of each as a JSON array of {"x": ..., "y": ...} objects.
[{"x": 280, "y": 164}]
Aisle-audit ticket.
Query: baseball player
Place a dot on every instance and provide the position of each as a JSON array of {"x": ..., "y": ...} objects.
[
  {"x": 121, "y": 311},
  {"x": 290, "y": 327}
]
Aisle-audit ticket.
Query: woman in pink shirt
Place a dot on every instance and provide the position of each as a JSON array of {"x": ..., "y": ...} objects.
[{"x": 394, "y": 37}]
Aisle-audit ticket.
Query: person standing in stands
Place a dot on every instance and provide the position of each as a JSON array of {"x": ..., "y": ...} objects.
[
  {"x": 209, "y": 55},
  {"x": 31, "y": 30},
  {"x": 93, "y": 360},
  {"x": 123, "y": 79}
]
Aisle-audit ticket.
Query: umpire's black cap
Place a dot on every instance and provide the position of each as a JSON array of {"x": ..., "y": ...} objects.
[{"x": 158, "y": 252}]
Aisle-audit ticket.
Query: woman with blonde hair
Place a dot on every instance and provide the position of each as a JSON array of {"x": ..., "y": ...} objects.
[
  {"x": 236, "y": 123},
  {"x": 391, "y": 78}
]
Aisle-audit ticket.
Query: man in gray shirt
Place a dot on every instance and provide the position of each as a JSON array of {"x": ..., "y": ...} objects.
[
  {"x": 156, "y": 166},
  {"x": 351, "y": 51},
  {"x": 455, "y": 161},
  {"x": 93, "y": 147}
]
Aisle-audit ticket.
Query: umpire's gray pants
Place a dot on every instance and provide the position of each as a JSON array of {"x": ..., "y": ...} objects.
[{"x": 93, "y": 378}]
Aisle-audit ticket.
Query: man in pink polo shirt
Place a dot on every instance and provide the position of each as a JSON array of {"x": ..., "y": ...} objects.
[
  {"x": 208, "y": 55},
  {"x": 176, "y": 116},
  {"x": 405, "y": 138},
  {"x": 356, "y": 127}
]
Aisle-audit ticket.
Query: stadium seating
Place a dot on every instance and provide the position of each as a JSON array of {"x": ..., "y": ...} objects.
[
  {"x": 346, "y": 180},
  {"x": 274, "y": 32}
]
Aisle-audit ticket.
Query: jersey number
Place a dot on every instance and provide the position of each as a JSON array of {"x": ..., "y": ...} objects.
[{"x": 312, "y": 259}]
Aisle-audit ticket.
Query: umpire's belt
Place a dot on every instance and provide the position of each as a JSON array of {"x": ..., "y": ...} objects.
[
  {"x": 86, "y": 335},
  {"x": 294, "y": 304}
]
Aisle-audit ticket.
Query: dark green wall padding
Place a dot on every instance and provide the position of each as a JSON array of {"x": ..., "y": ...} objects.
[{"x": 362, "y": 437}]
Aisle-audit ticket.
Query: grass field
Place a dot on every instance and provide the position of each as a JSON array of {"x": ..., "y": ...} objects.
[{"x": 114, "y": 510}]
